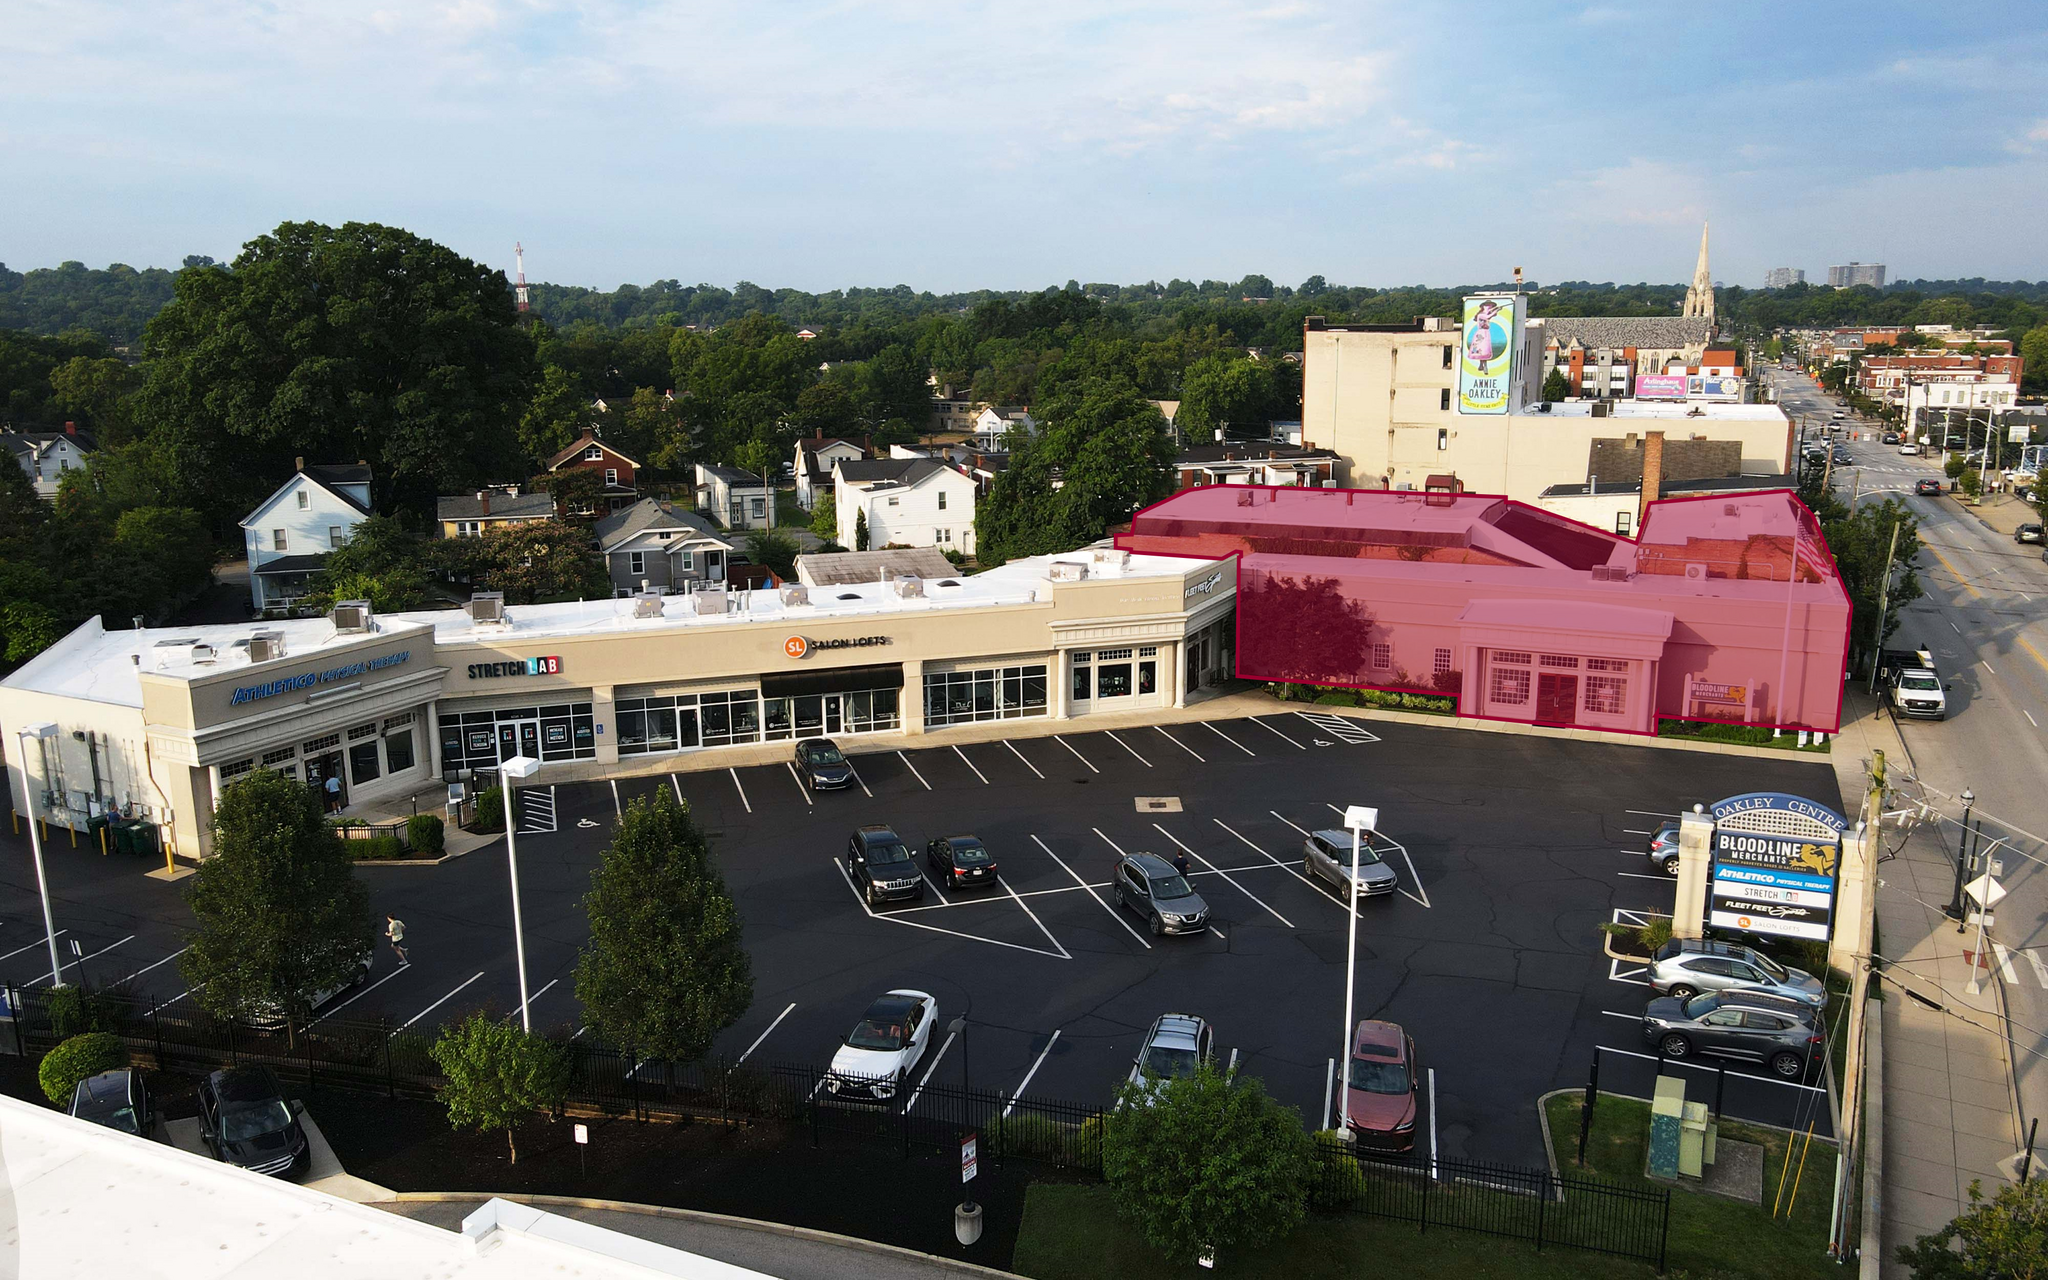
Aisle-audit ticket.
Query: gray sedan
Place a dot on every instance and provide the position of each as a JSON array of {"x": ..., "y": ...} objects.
[{"x": 1327, "y": 857}]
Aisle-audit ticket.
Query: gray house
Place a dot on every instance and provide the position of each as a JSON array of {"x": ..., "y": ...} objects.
[{"x": 656, "y": 547}]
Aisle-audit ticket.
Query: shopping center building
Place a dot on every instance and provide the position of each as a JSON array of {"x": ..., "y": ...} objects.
[{"x": 151, "y": 723}]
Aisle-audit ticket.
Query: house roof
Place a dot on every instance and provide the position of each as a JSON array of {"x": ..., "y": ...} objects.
[
  {"x": 1253, "y": 451},
  {"x": 331, "y": 475},
  {"x": 504, "y": 506},
  {"x": 1654, "y": 332},
  {"x": 22, "y": 441},
  {"x": 1673, "y": 488},
  {"x": 309, "y": 563},
  {"x": 845, "y": 568},
  {"x": 318, "y": 478},
  {"x": 650, "y": 514},
  {"x": 738, "y": 477},
  {"x": 907, "y": 472},
  {"x": 808, "y": 449},
  {"x": 583, "y": 442}
]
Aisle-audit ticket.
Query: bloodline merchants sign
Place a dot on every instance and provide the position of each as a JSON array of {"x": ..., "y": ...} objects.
[{"x": 1776, "y": 858}]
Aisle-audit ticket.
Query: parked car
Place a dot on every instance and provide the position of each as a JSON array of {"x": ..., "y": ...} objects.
[
  {"x": 880, "y": 865},
  {"x": 1839, "y": 414},
  {"x": 116, "y": 1099},
  {"x": 1326, "y": 856},
  {"x": 1687, "y": 966},
  {"x": 1664, "y": 849},
  {"x": 2027, "y": 533},
  {"x": 1927, "y": 488},
  {"x": 1380, "y": 1089},
  {"x": 245, "y": 1121},
  {"x": 268, "y": 1015},
  {"x": 1171, "y": 1050},
  {"x": 884, "y": 1046},
  {"x": 822, "y": 766},
  {"x": 1147, "y": 884},
  {"x": 1891, "y": 437},
  {"x": 1733, "y": 1024},
  {"x": 960, "y": 862}
]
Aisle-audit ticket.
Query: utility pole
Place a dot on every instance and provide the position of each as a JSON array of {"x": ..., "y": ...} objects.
[
  {"x": 1849, "y": 1147},
  {"x": 1884, "y": 595}
]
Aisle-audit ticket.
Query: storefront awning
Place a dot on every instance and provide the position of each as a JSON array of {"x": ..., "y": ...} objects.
[{"x": 887, "y": 675}]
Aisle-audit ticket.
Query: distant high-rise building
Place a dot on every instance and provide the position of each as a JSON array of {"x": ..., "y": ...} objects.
[
  {"x": 1783, "y": 277},
  {"x": 1870, "y": 273}
]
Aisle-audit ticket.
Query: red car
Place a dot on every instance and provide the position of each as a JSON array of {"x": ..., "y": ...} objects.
[{"x": 1380, "y": 1090}]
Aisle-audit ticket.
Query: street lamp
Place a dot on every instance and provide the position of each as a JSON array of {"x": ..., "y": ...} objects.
[
  {"x": 1954, "y": 909},
  {"x": 514, "y": 770},
  {"x": 1360, "y": 820},
  {"x": 41, "y": 732}
]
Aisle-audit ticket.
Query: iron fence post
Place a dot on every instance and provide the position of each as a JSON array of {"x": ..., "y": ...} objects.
[
  {"x": 233, "y": 1057},
  {"x": 390, "y": 1082},
  {"x": 1541, "y": 1202},
  {"x": 308, "y": 1033},
  {"x": 156, "y": 1029},
  {"x": 1586, "y": 1108},
  {"x": 1664, "y": 1233},
  {"x": 1425, "y": 1205}
]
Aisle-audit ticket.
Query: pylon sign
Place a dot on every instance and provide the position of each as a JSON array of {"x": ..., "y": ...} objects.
[{"x": 1775, "y": 864}]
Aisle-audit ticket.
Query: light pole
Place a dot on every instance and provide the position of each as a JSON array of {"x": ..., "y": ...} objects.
[
  {"x": 967, "y": 1217},
  {"x": 514, "y": 770},
  {"x": 42, "y": 731},
  {"x": 1954, "y": 910},
  {"x": 1361, "y": 820}
]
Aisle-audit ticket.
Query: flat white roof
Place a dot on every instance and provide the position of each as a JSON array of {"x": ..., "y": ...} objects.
[{"x": 1696, "y": 410}]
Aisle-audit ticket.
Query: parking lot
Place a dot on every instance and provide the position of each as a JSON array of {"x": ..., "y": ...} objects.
[{"x": 1513, "y": 850}]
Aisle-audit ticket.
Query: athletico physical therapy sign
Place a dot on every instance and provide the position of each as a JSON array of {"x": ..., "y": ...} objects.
[{"x": 1776, "y": 858}]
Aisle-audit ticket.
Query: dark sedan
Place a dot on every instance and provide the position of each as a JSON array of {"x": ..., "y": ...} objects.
[
  {"x": 115, "y": 1099},
  {"x": 822, "y": 766},
  {"x": 1928, "y": 488},
  {"x": 246, "y": 1122},
  {"x": 960, "y": 862}
]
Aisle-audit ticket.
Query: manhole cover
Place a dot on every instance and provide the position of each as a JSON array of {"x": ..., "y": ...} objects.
[{"x": 1158, "y": 804}]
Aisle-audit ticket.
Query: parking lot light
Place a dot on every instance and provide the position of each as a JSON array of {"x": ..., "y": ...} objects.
[
  {"x": 42, "y": 731},
  {"x": 1361, "y": 820},
  {"x": 514, "y": 770}
]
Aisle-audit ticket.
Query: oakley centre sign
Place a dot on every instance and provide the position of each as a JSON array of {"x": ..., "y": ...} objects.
[
  {"x": 1776, "y": 858},
  {"x": 805, "y": 646}
]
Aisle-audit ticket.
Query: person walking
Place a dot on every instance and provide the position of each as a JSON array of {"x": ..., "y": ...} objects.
[
  {"x": 1180, "y": 863},
  {"x": 333, "y": 789},
  {"x": 394, "y": 929}
]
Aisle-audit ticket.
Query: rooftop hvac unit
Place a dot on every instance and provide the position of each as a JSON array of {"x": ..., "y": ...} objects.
[
  {"x": 1066, "y": 571},
  {"x": 647, "y": 604},
  {"x": 907, "y": 587},
  {"x": 352, "y": 616},
  {"x": 1111, "y": 558},
  {"x": 710, "y": 601},
  {"x": 794, "y": 593},
  {"x": 487, "y": 606},
  {"x": 1612, "y": 573},
  {"x": 1695, "y": 573},
  {"x": 203, "y": 654},
  {"x": 1245, "y": 497},
  {"x": 266, "y": 646}
]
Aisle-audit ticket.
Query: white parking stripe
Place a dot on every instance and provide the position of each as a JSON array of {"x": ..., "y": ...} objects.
[
  {"x": 736, "y": 785},
  {"x": 1077, "y": 755},
  {"x": 1034, "y": 918},
  {"x": 39, "y": 942},
  {"x": 970, "y": 764},
  {"x": 1275, "y": 861},
  {"x": 913, "y": 769},
  {"x": 618, "y": 808},
  {"x": 1329, "y": 1088},
  {"x": 1089, "y": 889},
  {"x": 532, "y": 998},
  {"x": 438, "y": 1003},
  {"x": 1276, "y": 733},
  {"x": 857, "y": 778},
  {"x": 1027, "y": 763},
  {"x": 1233, "y": 1061},
  {"x": 1413, "y": 878},
  {"x": 1638, "y": 875},
  {"x": 360, "y": 994},
  {"x": 764, "y": 1035},
  {"x": 1303, "y": 831},
  {"x": 146, "y": 968},
  {"x": 677, "y": 783},
  {"x": 1025, "y": 1083},
  {"x": 1178, "y": 743},
  {"x": 77, "y": 961},
  {"x": 802, "y": 790},
  {"x": 896, "y": 918},
  {"x": 1127, "y": 746},
  {"x": 918, "y": 1092},
  {"x": 1227, "y": 738},
  {"x": 1225, "y": 874}
]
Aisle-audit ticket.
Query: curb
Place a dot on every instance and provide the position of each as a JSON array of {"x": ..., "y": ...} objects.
[
  {"x": 1478, "y": 724},
  {"x": 1550, "y": 1151},
  {"x": 711, "y": 1219}
]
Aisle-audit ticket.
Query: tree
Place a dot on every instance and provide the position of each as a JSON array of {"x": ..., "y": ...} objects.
[
  {"x": 81, "y": 1057},
  {"x": 382, "y": 562},
  {"x": 860, "y": 529},
  {"x": 95, "y": 393},
  {"x": 2033, "y": 348},
  {"x": 498, "y": 1074},
  {"x": 825, "y": 517},
  {"x": 278, "y": 912},
  {"x": 775, "y": 549},
  {"x": 1206, "y": 1162},
  {"x": 1556, "y": 386},
  {"x": 1301, "y": 629},
  {"x": 534, "y": 562},
  {"x": 2004, "y": 1238},
  {"x": 555, "y": 416},
  {"x": 1222, "y": 391},
  {"x": 578, "y": 492},
  {"x": 665, "y": 970}
]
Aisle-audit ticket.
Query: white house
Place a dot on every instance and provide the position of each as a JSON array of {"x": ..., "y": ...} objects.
[
  {"x": 290, "y": 533},
  {"x": 815, "y": 458},
  {"x": 909, "y": 502},
  {"x": 653, "y": 546},
  {"x": 47, "y": 455},
  {"x": 737, "y": 498},
  {"x": 992, "y": 422}
]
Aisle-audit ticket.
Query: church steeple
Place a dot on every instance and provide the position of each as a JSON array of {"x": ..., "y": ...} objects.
[{"x": 1699, "y": 298}]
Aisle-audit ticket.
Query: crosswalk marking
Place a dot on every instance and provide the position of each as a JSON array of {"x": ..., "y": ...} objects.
[
  {"x": 2004, "y": 961},
  {"x": 1338, "y": 727},
  {"x": 2040, "y": 970}
]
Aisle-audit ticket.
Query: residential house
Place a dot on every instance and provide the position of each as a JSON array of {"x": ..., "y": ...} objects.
[
  {"x": 814, "y": 459},
  {"x": 652, "y": 546},
  {"x": 980, "y": 465},
  {"x": 619, "y": 473},
  {"x": 290, "y": 533},
  {"x": 1251, "y": 462},
  {"x": 992, "y": 422},
  {"x": 737, "y": 498},
  {"x": 471, "y": 515},
  {"x": 46, "y": 455},
  {"x": 908, "y": 502}
]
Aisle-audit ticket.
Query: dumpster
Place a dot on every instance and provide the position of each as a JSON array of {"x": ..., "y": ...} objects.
[
  {"x": 97, "y": 833},
  {"x": 134, "y": 835}
]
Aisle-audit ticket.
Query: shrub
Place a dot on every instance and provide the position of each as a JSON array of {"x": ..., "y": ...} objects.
[
  {"x": 79, "y": 1058},
  {"x": 381, "y": 847},
  {"x": 1338, "y": 698},
  {"x": 1337, "y": 1182},
  {"x": 75, "y": 1010},
  {"x": 427, "y": 834},
  {"x": 1032, "y": 1136},
  {"x": 1642, "y": 940},
  {"x": 1973, "y": 483},
  {"x": 490, "y": 810}
]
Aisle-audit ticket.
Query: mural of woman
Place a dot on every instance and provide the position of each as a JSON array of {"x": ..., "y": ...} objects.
[{"x": 1479, "y": 339}]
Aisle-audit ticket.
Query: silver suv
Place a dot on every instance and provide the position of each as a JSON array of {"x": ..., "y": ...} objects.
[
  {"x": 1684, "y": 967},
  {"x": 1173, "y": 1048}
]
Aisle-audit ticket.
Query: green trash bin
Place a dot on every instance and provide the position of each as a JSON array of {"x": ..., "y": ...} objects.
[
  {"x": 140, "y": 837},
  {"x": 97, "y": 832}
]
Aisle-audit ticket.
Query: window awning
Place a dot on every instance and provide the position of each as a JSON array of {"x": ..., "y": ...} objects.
[{"x": 887, "y": 675}]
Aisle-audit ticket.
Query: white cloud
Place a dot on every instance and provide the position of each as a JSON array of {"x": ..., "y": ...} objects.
[{"x": 1650, "y": 193}]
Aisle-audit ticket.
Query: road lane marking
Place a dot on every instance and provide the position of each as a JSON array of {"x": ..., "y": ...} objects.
[
  {"x": 736, "y": 786},
  {"x": 146, "y": 968},
  {"x": 1227, "y": 738},
  {"x": 970, "y": 764},
  {"x": 1025, "y": 1083},
  {"x": 78, "y": 962},
  {"x": 1225, "y": 874},
  {"x": 1127, "y": 746},
  {"x": 1638, "y": 875},
  {"x": 1077, "y": 755},
  {"x": 360, "y": 994},
  {"x": 1064, "y": 953},
  {"x": 1403, "y": 849},
  {"x": 1952, "y": 626},
  {"x": 438, "y": 1003},
  {"x": 764, "y": 1035},
  {"x": 922, "y": 1080},
  {"x": 2004, "y": 961},
  {"x": 1986, "y": 666},
  {"x": 1178, "y": 743},
  {"x": 2034, "y": 962},
  {"x": 1027, "y": 763},
  {"x": 2030, "y": 717},
  {"x": 1954, "y": 572},
  {"x": 1115, "y": 914},
  {"x": 1276, "y": 733},
  {"x": 801, "y": 789},
  {"x": 1232, "y": 1068},
  {"x": 1329, "y": 1081},
  {"x": 913, "y": 769}
]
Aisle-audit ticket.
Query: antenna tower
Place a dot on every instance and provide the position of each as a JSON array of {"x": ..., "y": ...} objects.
[{"x": 519, "y": 280}]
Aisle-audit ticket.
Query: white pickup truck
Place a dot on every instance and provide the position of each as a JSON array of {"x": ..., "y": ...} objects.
[{"x": 1912, "y": 684}]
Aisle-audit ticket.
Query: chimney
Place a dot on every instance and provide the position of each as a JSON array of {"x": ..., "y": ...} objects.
[
  {"x": 70, "y": 428},
  {"x": 298, "y": 464},
  {"x": 483, "y": 502},
  {"x": 1653, "y": 473}
]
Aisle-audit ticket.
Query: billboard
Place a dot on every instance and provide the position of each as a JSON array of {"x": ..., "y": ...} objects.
[
  {"x": 1698, "y": 387},
  {"x": 1776, "y": 858},
  {"x": 1489, "y": 341},
  {"x": 1660, "y": 386}
]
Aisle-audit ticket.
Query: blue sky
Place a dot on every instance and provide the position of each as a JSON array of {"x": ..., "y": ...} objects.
[{"x": 961, "y": 144}]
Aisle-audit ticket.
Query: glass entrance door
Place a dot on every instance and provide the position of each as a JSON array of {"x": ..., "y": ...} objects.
[
  {"x": 833, "y": 719},
  {"x": 518, "y": 738},
  {"x": 810, "y": 714}
]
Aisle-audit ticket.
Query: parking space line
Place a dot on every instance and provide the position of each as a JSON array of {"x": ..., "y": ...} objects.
[
  {"x": 1034, "y": 918},
  {"x": 1649, "y": 813},
  {"x": 1233, "y": 1061},
  {"x": 530, "y": 1000},
  {"x": 2040, "y": 970},
  {"x": 360, "y": 994},
  {"x": 1077, "y": 755},
  {"x": 1127, "y": 746},
  {"x": 1225, "y": 874},
  {"x": 1276, "y": 733},
  {"x": 1027, "y": 763},
  {"x": 736, "y": 785},
  {"x": 1626, "y": 1017},
  {"x": 1089, "y": 889},
  {"x": 181, "y": 995},
  {"x": 913, "y": 769},
  {"x": 1178, "y": 743},
  {"x": 1638, "y": 875},
  {"x": 1413, "y": 876},
  {"x": 438, "y": 1003},
  {"x": 1329, "y": 1087},
  {"x": 857, "y": 778},
  {"x": 896, "y": 918},
  {"x": 802, "y": 790},
  {"x": 618, "y": 809},
  {"x": 1701, "y": 1066},
  {"x": 1634, "y": 977},
  {"x": 1025, "y": 1083},
  {"x": 1227, "y": 738},
  {"x": 146, "y": 968},
  {"x": 918, "y": 1092},
  {"x": 970, "y": 764},
  {"x": 1270, "y": 858},
  {"x": 764, "y": 1035},
  {"x": 43, "y": 941},
  {"x": 77, "y": 961}
]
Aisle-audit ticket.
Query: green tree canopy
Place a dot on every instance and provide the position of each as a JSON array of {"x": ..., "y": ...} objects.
[
  {"x": 532, "y": 562},
  {"x": 382, "y": 562},
  {"x": 1556, "y": 386},
  {"x": 498, "y": 1075},
  {"x": 1109, "y": 448},
  {"x": 2003, "y": 1238}
]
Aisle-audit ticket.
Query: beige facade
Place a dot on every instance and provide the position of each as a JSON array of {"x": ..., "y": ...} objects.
[{"x": 151, "y": 726}]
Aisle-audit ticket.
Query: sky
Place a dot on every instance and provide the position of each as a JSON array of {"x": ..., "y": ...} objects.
[{"x": 963, "y": 145}]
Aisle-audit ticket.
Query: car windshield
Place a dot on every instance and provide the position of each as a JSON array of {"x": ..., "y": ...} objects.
[
  {"x": 117, "y": 1115},
  {"x": 879, "y": 1033},
  {"x": 1772, "y": 967},
  {"x": 887, "y": 851},
  {"x": 1376, "y": 1076},
  {"x": 1919, "y": 682},
  {"x": 1341, "y": 854},
  {"x": 1167, "y": 888},
  {"x": 826, "y": 755},
  {"x": 969, "y": 854},
  {"x": 254, "y": 1119},
  {"x": 1170, "y": 1064}
]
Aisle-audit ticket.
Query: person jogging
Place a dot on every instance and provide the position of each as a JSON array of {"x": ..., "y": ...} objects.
[{"x": 394, "y": 929}]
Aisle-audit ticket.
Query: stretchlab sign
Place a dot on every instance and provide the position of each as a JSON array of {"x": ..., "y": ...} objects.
[
  {"x": 548, "y": 666},
  {"x": 805, "y": 646}
]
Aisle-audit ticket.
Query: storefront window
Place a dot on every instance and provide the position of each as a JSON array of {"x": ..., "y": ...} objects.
[
  {"x": 1606, "y": 695},
  {"x": 1084, "y": 678},
  {"x": 991, "y": 693},
  {"x": 363, "y": 763},
  {"x": 398, "y": 756},
  {"x": 1148, "y": 676},
  {"x": 472, "y": 739},
  {"x": 1113, "y": 680}
]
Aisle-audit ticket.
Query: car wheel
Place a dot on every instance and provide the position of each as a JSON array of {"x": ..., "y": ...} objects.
[
  {"x": 871, "y": 895},
  {"x": 1682, "y": 992},
  {"x": 1157, "y": 925},
  {"x": 1788, "y": 1066},
  {"x": 1671, "y": 867},
  {"x": 1676, "y": 1046}
]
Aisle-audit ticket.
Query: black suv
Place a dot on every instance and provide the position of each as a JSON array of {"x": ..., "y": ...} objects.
[
  {"x": 1747, "y": 1026},
  {"x": 880, "y": 865},
  {"x": 246, "y": 1122},
  {"x": 960, "y": 862},
  {"x": 821, "y": 765}
]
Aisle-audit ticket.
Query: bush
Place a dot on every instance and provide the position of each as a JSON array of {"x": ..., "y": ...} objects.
[
  {"x": 382, "y": 848},
  {"x": 1338, "y": 1182},
  {"x": 1954, "y": 466},
  {"x": 427, "y": 835},
  {"x": 490, "y": 810},
  {"x": 75, "y": 1010},
  {"x": 1973, "y": 483},
  {"x": 79, "y": 1058},
  {"x": 1337, "y": 698},
  {"x": 1641, "y": 940},
  {"x": 1034, "y": 1137}
]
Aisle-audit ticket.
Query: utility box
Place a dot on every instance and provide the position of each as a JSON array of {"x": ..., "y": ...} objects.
[{"x": 1666, "y": 1113}]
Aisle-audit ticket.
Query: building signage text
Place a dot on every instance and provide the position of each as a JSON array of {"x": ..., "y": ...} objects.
[
  {"x": 805, "y": 646},
  {"x": 1204, "y": 587},
  {"x": 1775, "y": 882},
  {"x": 308, "y": 679},
  {"x": 548, "y": 666}
]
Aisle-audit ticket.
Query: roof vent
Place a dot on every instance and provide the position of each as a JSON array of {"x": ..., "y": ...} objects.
[
  {"x": 1245, "y": 497},
  {"x": 353, "y": 616},
  {"x": 1112, "y": 559},
  {"x": 1066, "y": 571},
  {"x": 647, "y": 604},
  {"x": 710, "y": 602},
  {"x": 907, "y": 587},
  {"x": 487, "y": 607},
  {"x": 949, "y": 582},
  {"x": 1695, "y": 572},
  {"x": 266, "y": 646},
  {"x": 848, "y": 595},
  {"x": 794, "y": 593},
  {"x": 203, "y": 655}
]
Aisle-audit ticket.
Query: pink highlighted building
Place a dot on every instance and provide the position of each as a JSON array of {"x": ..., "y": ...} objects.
[{"x": 1725, "y": 608}]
